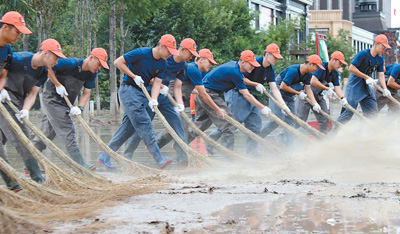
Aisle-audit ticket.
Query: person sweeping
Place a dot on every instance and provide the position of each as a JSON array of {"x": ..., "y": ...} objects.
[
  {"x": 72, "y": 74},
  {"x": 243, "y": 110},
  {"x": 222, "y": 79},
  {"x": 173, "y": 78},
  {"x": 27, "y": 73},
  {"x": 12, "y": 24},
  {"x": 359, "y": 89},
  {"x": 140, "y": 66}
]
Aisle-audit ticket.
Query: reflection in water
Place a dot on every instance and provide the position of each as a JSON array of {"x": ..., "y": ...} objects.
[{"x": 306, "y": 214}]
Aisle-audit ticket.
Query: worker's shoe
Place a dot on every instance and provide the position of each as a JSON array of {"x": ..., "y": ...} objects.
[
  {"x": 76, "y": 155},
  {"x": 34, "y": 171},
  {"x": 164, "y": 162},
  {"x": 106, "y": 163},
  {"x": 11, "y": 185}
]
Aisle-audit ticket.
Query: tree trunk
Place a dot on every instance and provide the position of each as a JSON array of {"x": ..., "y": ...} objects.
[
  {"x": 75, "y": 29},
  {"x": 113, "y": 75},
  {"x": 121, "y": 52},
  {"x": 39, "y": 30},
  {"x": 88, "y": 29},
  {"x": 26, "y": 41},
  {"x": 81, "y": 35},
  {"x": 49, "y": 20},
  {"x": 96, "y": 82}
]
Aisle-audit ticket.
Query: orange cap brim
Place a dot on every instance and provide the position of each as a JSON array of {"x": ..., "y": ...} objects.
[
  {"x": 212, "y": 61},
  {"x": 173, "y": 51},
  {"x": 343, "y": 62},
  {"x": 23, "y": 29},
  {"x": 104, "y": 64},
  {"x": 320, "y": 66},
  {"x": 277, "y": 55},
  {"x": 194, "y": 53},
  {"x": 59, "y": 54},
  {"x": 386, "y": 45},
  {"x": 254, "y": 63}
]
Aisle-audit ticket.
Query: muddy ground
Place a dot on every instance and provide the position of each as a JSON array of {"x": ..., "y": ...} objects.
[{"x": 346, "y": 183}]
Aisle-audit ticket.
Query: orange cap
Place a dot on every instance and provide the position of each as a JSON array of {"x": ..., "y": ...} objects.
[
  {"x": 169, "y": 41},
  {"x": 339, "y": 56},
  {"x": 274, "y": 49},
  {"x": 190, "y": 44},
  {"x": 315, "y": 59},
  {"x": 206, "y": 53},
  {"x": 53, "y": 46},
  {"x": 249, "y": 56},
  {"x": 383, "y": 39},
  {"x": 17, "y": 20},
  {"x": 101, "y": 54}
]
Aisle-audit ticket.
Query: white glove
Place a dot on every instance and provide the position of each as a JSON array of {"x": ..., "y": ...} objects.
[
  {"x": 4, "y": 96},
  {"x": 179, "y": 108},
  {"x": 316, "y": 108},
  {"x": 260, "y": 88},
  {"x": 164, "y": 90},
  {"x": 75, "y": 111},
  {"x": 61, "y": 90},
  {"x": 152, "y": 104},
  {"x": 386, "y": 93},
  {"x": 24, "y": 114},
  {"x": 302, "y": 95},
  {"x": 370, "y": 82},
  {"x": 344, "y": 101},
  {"x": 285, "y": 108},
  {"x": 330, "y": 93},
  {"x": 265, "y": 111},
  {"x": 138, "y": 81}
]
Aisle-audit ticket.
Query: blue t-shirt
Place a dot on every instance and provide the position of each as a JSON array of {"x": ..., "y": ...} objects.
[
  {"x": 225, "y": 77},
  {"x": 324, "y": 76},
  {"x": 142, "y": 63},
  {"x": 73, "y": 67},
  {"x": 261, "y": 74},
  {"x": 395, "y": 72},
  {"x": 364, "y": 60},
  {"x": 388, "y": 69},
  {"x": 194, "y": 75},
  {"x": 18, "y": 65},
  {"x": 357, "y": 89},
  {"x": 174, "y": 70},
  {"x": 4, "y": 52},
  {"x": 292, "y": 77}
]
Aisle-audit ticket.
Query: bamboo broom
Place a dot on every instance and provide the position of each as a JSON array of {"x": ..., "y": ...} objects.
[
  {"x": 59, "y": 153},
  {"x": 129, "y": 167},
  {"x": 58, "y": 177},
  {"x": 11, "y": 223},
  {"x": 195, "y": 158},
  {"x": 37, "y": 191}
]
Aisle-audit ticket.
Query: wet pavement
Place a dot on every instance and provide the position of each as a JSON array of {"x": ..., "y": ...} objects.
[{"x": 346, "y": 184}]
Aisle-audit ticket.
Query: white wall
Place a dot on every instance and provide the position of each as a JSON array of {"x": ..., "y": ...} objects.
[{"x": 395, "y": 18}]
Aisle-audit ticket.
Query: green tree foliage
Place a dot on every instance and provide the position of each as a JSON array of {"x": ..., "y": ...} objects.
[{"x": 223, "y": 26}]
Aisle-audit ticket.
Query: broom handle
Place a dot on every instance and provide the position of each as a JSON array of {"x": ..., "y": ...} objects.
[
  {"x": 295, "y": 118},
  {"x": 170, "y": 130},
  {"x": 389, "y": 97},
  {"x": 59, "y": 153},
  {"x": 325, "y": 114},
  {"x": 120, "y": 159},
  {"x": 213, "y": 143},
  {"x": 354, "y": 110}
]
